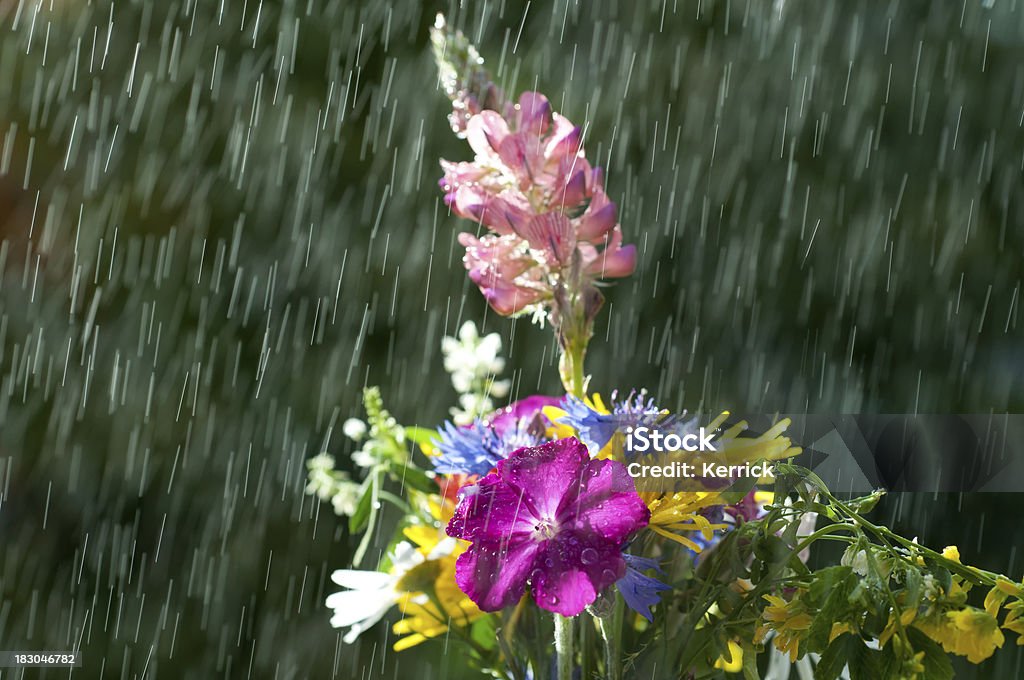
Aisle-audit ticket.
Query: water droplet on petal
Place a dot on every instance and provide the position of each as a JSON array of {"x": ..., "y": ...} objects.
[{"x": 588, "y": 556}]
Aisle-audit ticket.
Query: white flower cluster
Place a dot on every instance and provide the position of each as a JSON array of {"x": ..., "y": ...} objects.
[
  {"x": 474, "y": 362},
  {"x": 374, "y": 449},
  {"x": 332, "y": 485}
]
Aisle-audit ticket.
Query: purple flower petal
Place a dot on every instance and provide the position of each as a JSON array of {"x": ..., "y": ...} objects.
[
  {"x": 551, "y": 232},
  {"x": 574, "y": 192},
  {"x": 490, "y": 510},
  {"x": 607, "y": 502},
  {"x": 527, "y": 408},
  {"x": 599, "y": 219},
  {"x": 545, "y": 474},
  {"x": 575, "y": 569},
  {"x": 513, "y": 152},
  {"x": 494, "y": 574},
  {"x": 564, "y": 140}
]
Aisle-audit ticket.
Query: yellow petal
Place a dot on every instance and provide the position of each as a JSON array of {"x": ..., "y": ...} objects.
[{"x": 734, "y": 664}]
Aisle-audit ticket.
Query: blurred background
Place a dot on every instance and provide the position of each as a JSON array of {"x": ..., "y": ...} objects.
[{"x": 220, "y": 220}]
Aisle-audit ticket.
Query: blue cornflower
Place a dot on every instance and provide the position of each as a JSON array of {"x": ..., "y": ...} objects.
[
  {"x": 596, "y": 429},
  {"x": 477, "y": 448},
  {"x": 639, "y": 590}
]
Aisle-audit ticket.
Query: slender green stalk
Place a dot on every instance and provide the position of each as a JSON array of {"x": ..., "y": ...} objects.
[
  {"x": 611, "y": 631},
  {"x": 563, "y": 646},
  {"x": 571, "y": 368},
  {"x": 586, "y": 631}
]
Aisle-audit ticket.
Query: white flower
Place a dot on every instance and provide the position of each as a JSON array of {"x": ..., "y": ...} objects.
[
  {"x": 364, "y": 458},
  {"x": 345, "y": 499},
  {"x": 462, "y": 381},
  {"x": 857, "y": 561},
  {"x": 332, "y": 485},
  {"x": 473, "y": 406},
  {"x": 931, "y": 588},
  {"x": 321, "y": 476},
  {"x": 370, "y": 594},
  {"x": 500, "y": 388},
  {"x": 468, "y": 333},
  {"x": 354, "y": 429},
  {"x": 486, "y": 351}
]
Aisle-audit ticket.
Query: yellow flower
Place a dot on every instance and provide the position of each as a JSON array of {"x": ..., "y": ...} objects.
[
  {"x": 1014, "y": 620},
  {"x": 423, "y": 618},
  {"x": 838, "y": 628},
  {"x": 790, "y": 621},
  {"x": 431, "y": 600},
  {"x": 771, "y": 445},
  {"x": 1010, "y": 588},
  {"x": 951, "y": 552},
  {"x": 734, "y": 664},
  {"x": 913, "y": 667},
  {"x": 906, "y": 617},
  {"x": 679, "y": 512},
  {"x": 969, "y": 632}
]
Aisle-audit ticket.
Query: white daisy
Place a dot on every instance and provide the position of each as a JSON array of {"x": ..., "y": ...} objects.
[{"x": 370, "y": 594}]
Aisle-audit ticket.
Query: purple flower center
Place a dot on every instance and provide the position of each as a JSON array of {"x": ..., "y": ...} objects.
[{"x": 544, "y": 530}]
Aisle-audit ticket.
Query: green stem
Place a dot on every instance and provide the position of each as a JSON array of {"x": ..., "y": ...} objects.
[
  {"x": 611, "y": 631},
  {"x": 571, "y": 368},
  {"x": 563, "y": 646},
  {"x": 980, "y": 576}
]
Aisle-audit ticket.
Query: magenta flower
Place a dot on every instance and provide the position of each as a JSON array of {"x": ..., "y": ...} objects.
[
  {"x": 532, "y": 186},
  {"x": 528, "y": 408},
  {"x": 551, "y": 518}
]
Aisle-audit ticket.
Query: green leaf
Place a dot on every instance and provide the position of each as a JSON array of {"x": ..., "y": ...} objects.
[
  {"x": 484, "y": 633},
  {"x": 361, "y": 517},
  {"x": 833, "y": 661},
  {"x": 412, "y": 476},
  {"x": 937, "y": 665},
  {"x": 421, "y": 436},
  {"x": 830, "y": 592},
  {"x": 750, "y": 671},
  {"x": 864, "y": 663}
]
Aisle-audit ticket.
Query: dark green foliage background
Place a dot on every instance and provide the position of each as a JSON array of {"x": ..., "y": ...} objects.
[{"x": 220, "y": 220}]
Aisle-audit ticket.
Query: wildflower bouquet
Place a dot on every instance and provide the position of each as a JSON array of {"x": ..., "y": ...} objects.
[{"x": 522, "y": 525}]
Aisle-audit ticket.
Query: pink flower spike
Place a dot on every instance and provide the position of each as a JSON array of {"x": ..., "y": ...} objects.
[
  {"x": 599, "y": 219},
  {"x": 553, "y": 233},
  {"x": 501, "y": 212},
  {"x": 615, "y": 261},
  {"x": 573, "y": 192},
  {"x": 507, "y": 277},
  {"x": 533, "y": 114},
  {"x": 565, "y": 140},
  {"x": 485, "y": 132}
]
